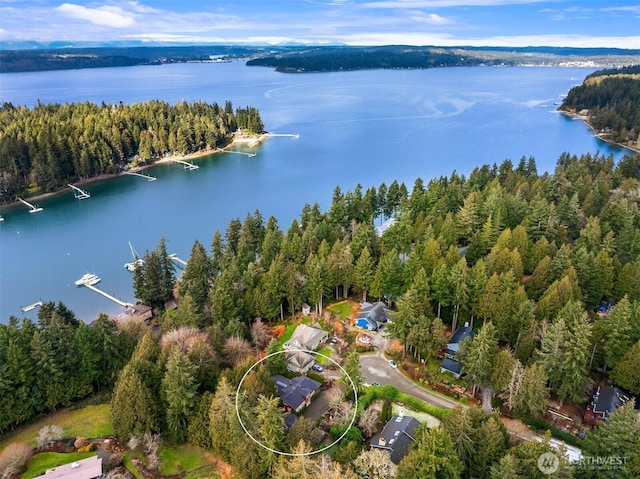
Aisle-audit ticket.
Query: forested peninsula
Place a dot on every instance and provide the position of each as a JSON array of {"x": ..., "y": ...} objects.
[
  {"x": 44, "y": 148},
  {"x": 342, "y": 58},
  {"x": 609, "y": 102}
]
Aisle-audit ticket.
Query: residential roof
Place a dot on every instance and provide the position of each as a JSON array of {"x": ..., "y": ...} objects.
[
  {"x": 375, "y": 314},
  {"x": 293, "y": 392},
  {"x": 85, "y": 469},
  {"x": 607, "y": 399},
  {"x": 380, "y": 230},
  {"x": 306, "y": 337},
  {"x": 396, "y": 436},
  {"x": 452, "y": 365},
  {"x": 299, "y": 360},
  {"x": 460, "y": 334}
]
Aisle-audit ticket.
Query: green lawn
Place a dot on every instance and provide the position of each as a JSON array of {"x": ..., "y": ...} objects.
[
  {"x": 46, "y": 460},
  {"x": 90, "y": 421},
  {"x": 196, "y": 462},
  {"x": 342, "y": 309},
  {"x": 327, "y": 351}
]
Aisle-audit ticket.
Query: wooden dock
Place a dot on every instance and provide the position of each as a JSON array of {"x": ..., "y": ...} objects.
[
  {"x": 79, "y": 193},
  {"x": 133, "y": 173},
  {"x": 33, "y": 209},
  {"x": 175, "y": 258},
  {"x": 250, "y": 155},
  {"x": 289, "y": 135},
  {"x": 32, "y": 306},
  {"x": 108, "y": 296},
  {"x": 186, "y": 165}
]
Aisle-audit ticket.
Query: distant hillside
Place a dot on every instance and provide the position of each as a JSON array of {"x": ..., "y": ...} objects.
[
  {"x": 318, "y": 59},
  {"x": 297, "y": 58},
  {"x": 609, "y": 100},
  {"x": 70, "y": 58}
]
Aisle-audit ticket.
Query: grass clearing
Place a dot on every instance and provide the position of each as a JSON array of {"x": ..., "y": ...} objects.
[
  {"x": 177, "y": 459},
  {"x": 46, "y": 460},
  {"x": 327, "y": 351},
  {"x": 89, "y": 421},
  {"x": 422, "y": 417},
  {"x": 343, "y": 309}
]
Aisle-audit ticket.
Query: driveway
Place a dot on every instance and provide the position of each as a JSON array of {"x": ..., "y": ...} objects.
[
  {"x": 375, "y": 368},
  {"x": 319, "y": 405}
]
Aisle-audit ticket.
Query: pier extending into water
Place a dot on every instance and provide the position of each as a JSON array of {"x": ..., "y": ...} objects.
[
  {"x": 250, "y": 155},
  {"x": 32, "y": 306},
  {"x": 290, "y": 135},
  {"x": 79, "y": 193},
  {"x": 141, "y": 175},
  {"x": 175, "y": 258},
  {"x": 33, "y": 209},
  {"x": 185, "y": 164},
  {"x": 108, "y": 296}
]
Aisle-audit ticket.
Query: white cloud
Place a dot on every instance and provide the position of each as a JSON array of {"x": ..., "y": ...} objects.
[
  {"x": 446, "y": 3},
  {"x": 432, "y": 18},
  {"x": 106, "y": 16}
]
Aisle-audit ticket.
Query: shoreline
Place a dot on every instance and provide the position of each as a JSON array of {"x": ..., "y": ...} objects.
[
  {"x": 250, "y": 141},
  {"x": 584, "y": 119}
]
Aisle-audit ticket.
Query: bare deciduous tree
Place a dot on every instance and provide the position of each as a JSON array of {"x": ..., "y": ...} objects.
[
  {"x": 13, "y": 459},
  {"x": 260, "y": 334},
  {"x": 48, "y": 435},
  {"x": 236, "y": 350},
  {"x": 368, "y": 423},
  {"x": 375, "y": 464}
]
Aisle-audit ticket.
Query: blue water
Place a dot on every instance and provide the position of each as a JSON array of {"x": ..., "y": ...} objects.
[{"x": 362, "y": 127}]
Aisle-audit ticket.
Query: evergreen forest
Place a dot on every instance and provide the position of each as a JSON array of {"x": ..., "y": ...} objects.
[
  {"x": 46, "y": 147},
  {"x": 612, "y": 97},
  {"x": 527, "y": 258}
]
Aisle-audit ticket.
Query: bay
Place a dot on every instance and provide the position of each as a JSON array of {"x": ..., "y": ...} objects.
[{"x": 362, "y": 127}]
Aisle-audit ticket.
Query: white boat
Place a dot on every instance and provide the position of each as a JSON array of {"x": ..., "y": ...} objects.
[
  {"x": 88, "y": 278},
  {"x": 137, "y": 260}
]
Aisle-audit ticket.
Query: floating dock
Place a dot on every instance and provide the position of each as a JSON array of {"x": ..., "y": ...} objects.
[
  {"x": 175, "y": 258},
  {"x": 1, "y": 218},
  {"x": 186, "y": 165},
  {"x": 108, "y": 296},
  {"x": 79, "y": 193},
  {"x": 132, "y": 173},
  {"x": 250, "y": 155},
  {"x": 33, "y": 209},
  {"x": 289, "y": 135},
  {"x": 32, "y": 306}
]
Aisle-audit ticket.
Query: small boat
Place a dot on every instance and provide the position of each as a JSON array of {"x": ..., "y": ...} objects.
[
  {"x": 88, "y": 278},
  {"x": 137, "y": 260}
]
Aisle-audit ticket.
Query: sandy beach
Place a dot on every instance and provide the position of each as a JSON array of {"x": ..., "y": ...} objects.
[{"x": 250, "y": 141}]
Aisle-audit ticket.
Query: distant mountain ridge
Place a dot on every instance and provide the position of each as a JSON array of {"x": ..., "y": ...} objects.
[{"x": 34, "y": 56}]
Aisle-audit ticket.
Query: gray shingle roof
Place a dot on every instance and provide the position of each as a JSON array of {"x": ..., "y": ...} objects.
[
  {"x": 294, "y": 391},
  {"x": 396, "y": 437}
]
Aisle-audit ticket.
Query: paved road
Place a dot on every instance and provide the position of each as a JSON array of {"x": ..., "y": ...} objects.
[{"x": 376, "y": 368}]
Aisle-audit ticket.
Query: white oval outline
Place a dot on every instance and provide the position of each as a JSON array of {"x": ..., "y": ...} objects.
[{"x": 292, "y": 454}]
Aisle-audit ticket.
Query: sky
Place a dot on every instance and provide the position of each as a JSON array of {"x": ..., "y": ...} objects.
[{"x": 569, "y": 23}]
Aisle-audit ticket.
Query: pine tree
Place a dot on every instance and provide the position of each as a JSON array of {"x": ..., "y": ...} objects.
[
  {"x": 133, "y": 407},
  {"x": 363, "y": 273},
  {"x": 619, "y": 437},
  {"x": 627, "y": 373},
  {"x": 197, "y": 277},
  {"x": 179, "y": 389},
  {"x": 530, "y": 401},
  {"x": 618, "y": 332},
  {"x": 480, "y": 357},
  {"x": 431, "y": 457}
]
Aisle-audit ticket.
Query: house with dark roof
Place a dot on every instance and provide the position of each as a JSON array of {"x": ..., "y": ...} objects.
[
  {"x": 396, "y": 436},
  {"x": 604, "y": 403},
  {"x": 295, "y": 393},
  {"x": 449, "y": 363},
  {"x": 372, "y": 316}
]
